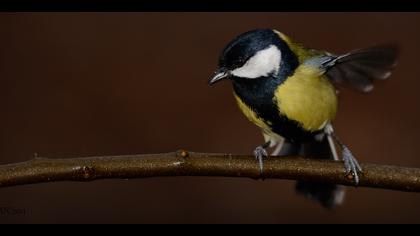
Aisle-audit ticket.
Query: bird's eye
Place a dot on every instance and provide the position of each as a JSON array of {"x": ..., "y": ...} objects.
[{"x": 238, "y": 64}]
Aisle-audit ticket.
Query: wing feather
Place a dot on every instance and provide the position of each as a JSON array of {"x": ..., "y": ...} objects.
[{"x": 358, "y": 69}]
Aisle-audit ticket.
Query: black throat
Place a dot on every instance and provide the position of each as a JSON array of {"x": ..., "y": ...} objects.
[{"x": 258, "y": 94}]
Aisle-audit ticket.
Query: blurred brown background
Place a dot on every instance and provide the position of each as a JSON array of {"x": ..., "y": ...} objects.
[{"x": 81, "y": 84}]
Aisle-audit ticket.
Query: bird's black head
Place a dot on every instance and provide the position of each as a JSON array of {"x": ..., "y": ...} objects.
[{"x": 255, "y": 54}]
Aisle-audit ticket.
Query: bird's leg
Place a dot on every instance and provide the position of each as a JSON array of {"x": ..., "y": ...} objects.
[
  {"x": 351, "y": 164},
  {"x": 278, "y": 147},
  {"x": 260, "y": 153},
  {"x": 329, "y": 131}
]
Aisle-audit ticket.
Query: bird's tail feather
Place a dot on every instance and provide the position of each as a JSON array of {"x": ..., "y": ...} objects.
[{"x": 328, "y": 195}]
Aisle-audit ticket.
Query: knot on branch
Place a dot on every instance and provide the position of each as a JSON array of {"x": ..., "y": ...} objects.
[
  {"x": 87, "y": 173},
  {"x": 182, "y": 153}
]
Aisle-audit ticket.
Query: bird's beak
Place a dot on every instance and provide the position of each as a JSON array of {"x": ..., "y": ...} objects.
[{"x": 219, "y": 75}]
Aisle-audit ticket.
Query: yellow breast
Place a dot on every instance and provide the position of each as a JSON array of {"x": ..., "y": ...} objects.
[{"x": 308, "y": 98}]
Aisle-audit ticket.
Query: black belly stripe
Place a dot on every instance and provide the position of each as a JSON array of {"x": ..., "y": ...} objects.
[{"x": 258, "y": 94}]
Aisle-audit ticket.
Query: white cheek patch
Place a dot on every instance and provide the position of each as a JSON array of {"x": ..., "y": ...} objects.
[{"x": 262, "y": 63}]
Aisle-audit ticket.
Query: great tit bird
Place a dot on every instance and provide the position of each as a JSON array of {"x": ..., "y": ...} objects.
[{"x": 290, "y": 92}]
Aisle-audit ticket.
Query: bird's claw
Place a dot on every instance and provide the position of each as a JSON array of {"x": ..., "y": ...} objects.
[
  {"x": 260, "y": 153},
  {"x": 351, "y": 165}
]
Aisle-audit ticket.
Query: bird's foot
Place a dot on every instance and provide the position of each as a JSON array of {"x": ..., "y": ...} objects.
[
  {"x": 351, "y": 165},
  {"x": 260, "y": 153}
]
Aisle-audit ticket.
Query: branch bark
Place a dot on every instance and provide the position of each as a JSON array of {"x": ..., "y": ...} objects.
[{"x": 183, "y": 163}]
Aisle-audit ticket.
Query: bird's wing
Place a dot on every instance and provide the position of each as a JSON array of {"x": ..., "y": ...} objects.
[{"x": 358, "y": 69}]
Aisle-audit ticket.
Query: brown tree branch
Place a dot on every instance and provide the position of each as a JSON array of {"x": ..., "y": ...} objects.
[{"x": 183, "y": 163}]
